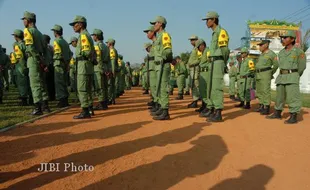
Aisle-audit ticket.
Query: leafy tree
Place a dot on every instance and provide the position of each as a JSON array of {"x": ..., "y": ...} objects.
[
  {"x": 185, "y": 56},
  {"x": 305, "y": 41}
]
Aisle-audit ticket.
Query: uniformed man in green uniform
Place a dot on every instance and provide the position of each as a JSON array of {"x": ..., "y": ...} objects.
[
  {"x": 187, "y": 80},
  {"x": 193, "y": 64},
  {"x": 153, "y": 68},
  {"x": 73, "y": 66},
  {"x": 21, "y": 67},
  {"x": 232, "y": 80},
  {"x": 128, "y": 76},
  {"x": 122, "y": 69},
  {"x": 85, "y": 55},
  {"x": 6, "y": 70},
  {"x": 2, "y": 64},
  {"x": 35, "y": 48},
  {"x": 143, "y": 70},
  {"x": 292, "y": 63},
  {"x": 239, "y": 61},
  {"x": 135, "y": 79},
  {"x": 181, "y": 74},
  {"x": 113, "y": 68},
  {"x": 266, "y": 66},
  {"x": 219, "y": 54},
  {"x": 247, "y": 70},
  {"x": 172, "y": 81},
  {"x": 204, "y": 76},
  {"x": 49, "y": 76},
  {"x": 62, "y": 55},
  {"x": 101, "y": 80},
  {"x": 163, "y": 57}
]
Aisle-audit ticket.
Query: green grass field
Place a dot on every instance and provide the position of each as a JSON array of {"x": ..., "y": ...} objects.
[{"x": 11, "y": 113}]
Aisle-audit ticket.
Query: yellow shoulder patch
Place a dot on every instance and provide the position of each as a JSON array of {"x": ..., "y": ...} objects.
[
  {"x": 85, "y": 43},
  {"x": 72, "y": 61},
  {"x": 251, "y": 65},
  {"x": 166, "y": 41},
  {"x": 302, "y": 55},
  {"x": 199, "y": 53},
  {"x": 18, "y": 52},
  {"x": 223, "y": 38},
  {"x": 208, "y": 54},
  {"x": 112, "y": 54},
  {"x": 119, "y": 62},
  {"x": 98, "y": 52},
  {"x": 28, "y": 37},
  {"x": 13, "y": 58},
  {"x": 57, "y": 48}
]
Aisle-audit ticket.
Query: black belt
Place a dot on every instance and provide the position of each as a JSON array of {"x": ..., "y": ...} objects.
[
  {"x": 262, "y": 70},
  {"x": 151, "y": 58},
  {"x": 82, "y": 59},
  {"x": 216, "y": 58},
  {"x": 243, "y": 77},
  {"x": 288, "y": 71},
  {"x": 206, "y": 69}
]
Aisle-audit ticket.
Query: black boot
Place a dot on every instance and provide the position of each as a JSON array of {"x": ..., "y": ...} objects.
[
  {"x": 146, "y": 92},
  {"x": 240, "y": 105},
  {"x": 91, "y": 110},
  {"x": 187, "y": 93},
  {"x": 23, "y": 102},
  {"x": 61, "y": 103},
  {"x": 292, "y": 119},
  {"x": 30, "y": 101},
  {"x": 171, "y": 93},
  {"x": 232, "y": 97},
  {"x": 180, "y": 97},
  {"x": 45, "y": 107},
  {"x": 203, "y": 106},
  {"x": 99, "y": 106},
  {"x": 164, "y": 116},
  {"x": 1, "y": 102},
  {"x": 105, "y": 105},
  {"x": 247, "y": 106},
  {"x": 151, "y": 103},
  {"x": 113, "y": 102},
  {"x": 193, "y": 104},
  {"x": 204, "y": 112},
  {"x": 265, "y": 110},
  {"x": 157, "y": 113},
  {"x": 37, "y": 109},
  {"x": 110, "y": 102},
  {"x": 83, "y": 115},
  {"x": 217, "y": 117},
  {"x": 260, "y": 108},
  {"x": 66, "y": 102},
  {"x": 275, "y": 115},
  {"x": 155, "y": 108},
  {"x": 207, "y": 114}
]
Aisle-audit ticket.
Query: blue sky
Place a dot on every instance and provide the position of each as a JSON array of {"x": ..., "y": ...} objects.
[{"x": 125, "y": 20}]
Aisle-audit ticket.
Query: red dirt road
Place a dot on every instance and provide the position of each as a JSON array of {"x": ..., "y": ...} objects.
[{"x": 129, "y": 150}]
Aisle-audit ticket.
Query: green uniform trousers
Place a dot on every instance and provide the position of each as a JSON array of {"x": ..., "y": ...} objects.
[
  {"x": 117, "y": 81},
  {"x": 72, "y": 79},
  {"x": 203, "y": 85},
  {"x": 232, "y": 86},
  {"x": 99, "y": 86},
  {"x": 6, "y": 78},
  {"x": 37, "y": 81},
  {"x": 122, "y": 83},
  {"x": 84, "y": 87},
  {"x": 238, "y": 85},
  {"x": 111, "y": 90},
  {"x": 22, "y": 80},
  {"x": 164, "y": 86},
  {"x": 263, "y": 90},
  {"x": 60, "y": 77},
  {"x": 244, "y": 90},
  {"x": 144, "y": 81},
  {"x": 153, "y": 80},
  {"x": 128, "y": 81},
  {"x": 181, "y": 84},
  {"x": 216, "y": 85},
  {"x": 290, "y": 94},
  {"x": 187, "y": 83},
  {"x": 195, "y": 88}
]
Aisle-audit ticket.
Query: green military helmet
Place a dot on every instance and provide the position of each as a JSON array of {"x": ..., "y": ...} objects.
[
  {"x": 211, "y": 14},
  {"x": 199, "y": 42},
  {"x": 146, "y": 45},
  {"x": 244, "y": 50},
  {"x": 29, "y": 16},
  {"x": 111, "y": 40},
  {"x": 77, "y": 19},
  {"x": 120, "y": 56},
  {"x": 193, "y": 37},
  {"x": 57, "y": 28},
  {"x": 288, "y": 33},
  {"x": 18, "y": 33},
  {"x": 160, "y": 19},
  {"x": 150, "y": 28},
  {"x": 263, "y": 42},
  {"x": 97, "y": 32}
]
